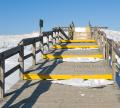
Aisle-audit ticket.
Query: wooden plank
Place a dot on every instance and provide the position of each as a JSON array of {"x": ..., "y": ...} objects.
[
  {"x": 47, "y": 33},
  {"x": 29, "y": 41},
  {"x": 38, "y": 51},
  {"x": 10, "y": 52},
  {"x": 117, "y": 51},
  {"x": 33, "y": 76},
  {"x": 107, "y": 51},
  {"x": 2, "y": 78},
  {"x": 27, "y": 56},
  {"x": 21, "y": 59},
  {"x": 63, "y": 33},
  {"x": 114, "y": 61},
  {"x": 12, "y": 70},
  {"x": 33, "y": 54}
]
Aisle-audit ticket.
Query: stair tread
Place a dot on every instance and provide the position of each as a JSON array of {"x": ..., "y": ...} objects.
[
  {"x": 59, "y": 67},
  {"x": 78, "y": 52}
]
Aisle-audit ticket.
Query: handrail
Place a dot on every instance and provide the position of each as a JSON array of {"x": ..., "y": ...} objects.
[
  {"x": 56, "y": 34},
  {"x": 110, "y": 49}
]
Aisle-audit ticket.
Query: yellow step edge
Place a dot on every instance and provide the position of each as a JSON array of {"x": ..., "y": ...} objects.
[
  {"x": 82, "y": 40},
  {"x": 74, "y": 46},
  {"x": 33, "y": 76},
  {"x": 50, "y": 56}
]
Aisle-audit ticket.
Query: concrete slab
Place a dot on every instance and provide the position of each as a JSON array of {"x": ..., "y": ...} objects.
[{"x": 37, "y": 94}]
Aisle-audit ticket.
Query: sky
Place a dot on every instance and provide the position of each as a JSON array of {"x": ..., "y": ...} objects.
[{"x": 22, "y": 16}]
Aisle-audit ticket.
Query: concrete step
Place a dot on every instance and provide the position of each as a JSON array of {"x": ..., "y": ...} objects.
[
  {"x": 73, "y": 53},
  {"x": 74, "y": 46},
  {"x": 77, "y": 41},
  {"x": 53, "y": 69},
  {"x": 62, "y": 56}
]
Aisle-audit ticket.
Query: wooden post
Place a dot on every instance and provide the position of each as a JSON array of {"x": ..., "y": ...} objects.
[
  {"x": 53, "y": 38},
  {"x": 41, "y": 45},
  {"x": 34, "y": 54},
  {"x": 107, "y": 51},
  {"x": 2, "y": 78},
  {"x": 56, "y": 34},
  {"x": 104, "y": 46},
  {"x": 21, "y": 59},
  {"x": 59, "y": 34},
  {"x": 41, "y": 26},
  {"x": 97, "y": 35},
  {"x": 101, "y": 42},
  {"x": 98, "y": 41},
  {"x": 113, "y": 61}
]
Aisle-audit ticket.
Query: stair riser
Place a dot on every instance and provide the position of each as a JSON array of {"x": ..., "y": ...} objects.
[
  {"x": 78, "y": 41},
  {"x": 100, "y": 56},
  {"x": 72, "y": 47}
]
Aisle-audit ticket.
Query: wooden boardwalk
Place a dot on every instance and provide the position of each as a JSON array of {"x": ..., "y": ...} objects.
[{"x": 39, "y": 93}]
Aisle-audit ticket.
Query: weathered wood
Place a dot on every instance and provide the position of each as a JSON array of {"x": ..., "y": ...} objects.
[
  {"x": 37, "y": 39},
  {"x": 11, "y": 52},
  {"x": 2, "y": 78},
  {"x": 103, "y": 46},
  {"x": 59, "y": 33},
  {"x": 29, "y": 41},
  {"x": 33, "y": 54},
  {"x": 48, "y": 42},
  {"x": 65, "y": 28},
  {"x": 113, "y": 61},
  {"x": 12, "y": 70},
  {"x": 21, "y": 59},
  {"x": 47, "y": 33},
  {"x": 27, "y": 56},
  {"x": 62, "y": 32},
  {"x": 41, "y": 46},
  {"x": 38, "y": 51},
  {"x": 117, "y": 51},
  {"x": 107, "y": 51},
  {"x": 54, "y": 38}
]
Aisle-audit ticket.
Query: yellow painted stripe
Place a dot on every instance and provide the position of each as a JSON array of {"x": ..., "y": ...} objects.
[
  {"x": 56, "y": 76},
  {"x": 50, "y": 56},
  {"x": 74, "y": 46},
  {"x": 75, "y": 41}
]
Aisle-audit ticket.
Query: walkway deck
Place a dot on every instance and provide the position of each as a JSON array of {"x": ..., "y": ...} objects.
[{"x": 44, "y": 94}]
